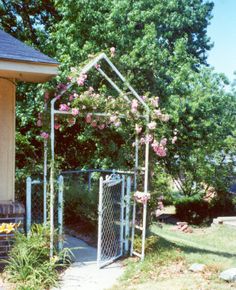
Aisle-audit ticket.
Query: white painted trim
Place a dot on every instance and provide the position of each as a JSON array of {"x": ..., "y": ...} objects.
[{"x": 26, "y": 71}]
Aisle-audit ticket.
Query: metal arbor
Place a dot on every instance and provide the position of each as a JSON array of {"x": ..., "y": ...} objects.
[{"x": 85, "y": 70}]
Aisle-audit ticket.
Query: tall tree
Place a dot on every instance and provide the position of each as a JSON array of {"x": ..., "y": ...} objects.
[
  {"x": 144, "y": 33},
  {"x": 29, "y": 21}
]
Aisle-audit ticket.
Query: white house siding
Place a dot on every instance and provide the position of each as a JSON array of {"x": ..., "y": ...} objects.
[{"x": 7, "y": 140}]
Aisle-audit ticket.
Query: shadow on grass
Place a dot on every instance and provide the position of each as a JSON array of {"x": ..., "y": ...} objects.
[{"x": 164, "y": 244}]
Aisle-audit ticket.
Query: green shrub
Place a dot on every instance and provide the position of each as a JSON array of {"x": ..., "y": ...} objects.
[
  {"x": 192, "y": 209},
  {"x": 196, "y": 210},
  {"x": 29, "y": 265},
  {"x": 221, "y": 205}
]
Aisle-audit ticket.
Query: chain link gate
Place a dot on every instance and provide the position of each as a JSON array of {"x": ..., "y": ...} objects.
[{"x": 112, "y": 217}]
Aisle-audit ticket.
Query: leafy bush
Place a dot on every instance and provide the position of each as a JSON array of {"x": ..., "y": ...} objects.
[
  {"x": 29, "y": 265},
  {"x": 196, "y": 210},
  {"x": 222, "y": 204},
  {"x": 192, "y": 209}
]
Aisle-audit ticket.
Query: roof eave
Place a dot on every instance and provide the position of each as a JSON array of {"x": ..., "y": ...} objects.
[{"x": 28, "y": 71}]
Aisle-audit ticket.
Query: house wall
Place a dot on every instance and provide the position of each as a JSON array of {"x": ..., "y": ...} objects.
[{"x": 7, "y": 140}]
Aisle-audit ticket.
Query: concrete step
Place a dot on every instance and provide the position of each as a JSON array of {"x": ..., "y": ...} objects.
[{"x": 224, "y": 220}]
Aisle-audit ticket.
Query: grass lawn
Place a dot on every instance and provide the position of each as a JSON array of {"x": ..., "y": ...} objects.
[{"x": 169, "y": 257}]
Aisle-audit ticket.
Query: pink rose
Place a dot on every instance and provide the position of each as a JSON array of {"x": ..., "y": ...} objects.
[
  {"x": 94, "y": 124},
  {"x": 64, "y": 107},
  {"x": 161, "y": 151},
  {"x": 57, "y": 126},
  {"x": 159, "y": 148},
  {"x": 144, "y": 98},
  {"x": 148, "y": 138},
  {"x": 158, "y": 112},
  {"x": 113, "y": 118},
  {"x": 71, "y": 98},
  {"x": 88, "y": 118},
  {"x": 81, "y": 79},
  {"x": 117, "y": 124},
  {"x": 91, "y": 90},
  {"x": 101, "y": 126},
  {"x": 152, "y": 125},
  {"x": 75, "y": 112},
  {"x": 163, "y": 141},
  {"x": 164, "y": 117},
  {"x": 39, "y": 123},
  {"x": 134, "y": 106},
  {"x": 142, "y": 140},
  {"x": 44, "y": 135},
  {"x": 71, "y": 121}
]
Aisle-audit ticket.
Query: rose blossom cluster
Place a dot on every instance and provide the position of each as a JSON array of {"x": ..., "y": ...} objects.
[
  {"x": 44, "y": 135},
  {"x": 39, "y": 121},
  {"x": 134, "y": 106},
  {"x": 160, "y": 147},
  {"x": 160, "y": 116},
  {"x": 152, "y": 125},
  {"x": 81, "y": 79},
  {"x": 64, "y": 108},
  {"x": 94, "y": 122}
]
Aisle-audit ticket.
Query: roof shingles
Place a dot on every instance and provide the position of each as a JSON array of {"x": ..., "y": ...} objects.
[{"x": 13, "y": 49}]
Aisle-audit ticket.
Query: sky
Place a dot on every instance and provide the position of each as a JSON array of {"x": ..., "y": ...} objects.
[{"x": 222, "y": 32}]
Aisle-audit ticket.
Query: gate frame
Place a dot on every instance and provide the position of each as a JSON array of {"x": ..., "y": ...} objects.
[
  {"x": 102, "y": 182},
  {"x": 124, "y": 216}
]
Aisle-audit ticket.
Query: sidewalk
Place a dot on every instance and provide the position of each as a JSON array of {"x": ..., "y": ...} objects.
[{"x": 84, "y": 274}]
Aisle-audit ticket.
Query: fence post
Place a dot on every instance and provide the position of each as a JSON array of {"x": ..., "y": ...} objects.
[
  {"x": 28, "y": 203},
  {"x": 133, "y": 225},
  {"x": 45, "y": 183},
  {"x": 122, "y": 214},
  {"x": 60, "y": 212},
  {"x": 89, "y": 181},
  {"x": 127, "y": 214},
  {"x": 99, "y": 221}
]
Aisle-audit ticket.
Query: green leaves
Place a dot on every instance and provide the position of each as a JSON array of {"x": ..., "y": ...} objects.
[{"x": 161, "y": 47}]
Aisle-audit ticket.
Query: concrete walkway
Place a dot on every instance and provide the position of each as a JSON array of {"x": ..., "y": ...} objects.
[{"x": 84, "y": 273}]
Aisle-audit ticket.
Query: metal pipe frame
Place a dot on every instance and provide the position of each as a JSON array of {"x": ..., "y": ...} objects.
[
  {"x": 84, "y": 70},
  {"x": 45, "y": 183}
]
